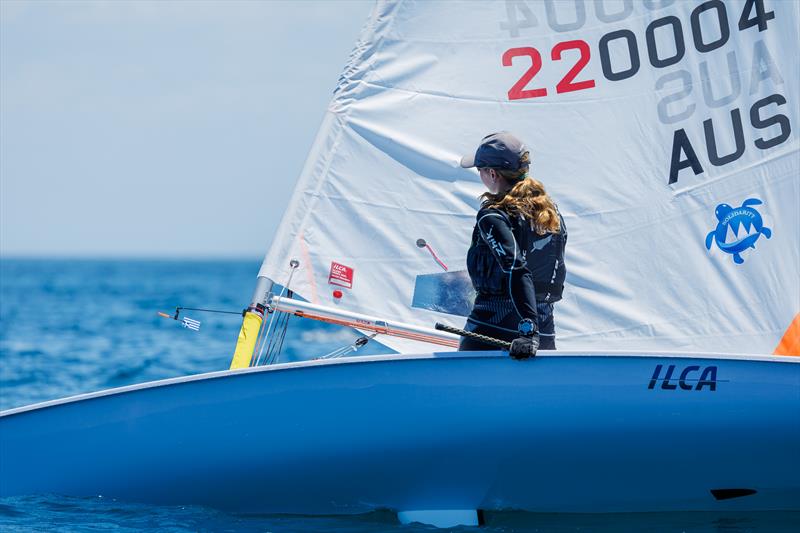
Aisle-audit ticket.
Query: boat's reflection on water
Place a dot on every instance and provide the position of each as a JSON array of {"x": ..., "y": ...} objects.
[
  {"x": 695, "y": 522},
  {"x": 58, "y": 513}
]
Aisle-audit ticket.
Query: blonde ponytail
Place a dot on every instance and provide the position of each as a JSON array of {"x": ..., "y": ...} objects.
[{"x": 527, "y": 198}]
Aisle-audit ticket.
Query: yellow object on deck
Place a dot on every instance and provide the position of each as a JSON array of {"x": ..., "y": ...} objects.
[{"x": 246, "y": 343}]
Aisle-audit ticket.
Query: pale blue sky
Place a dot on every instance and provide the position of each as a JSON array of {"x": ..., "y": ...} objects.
[{"x": 160, "y": 129}]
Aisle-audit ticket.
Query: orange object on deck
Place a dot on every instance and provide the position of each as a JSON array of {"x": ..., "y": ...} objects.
[{"x": 790, "y": 343}]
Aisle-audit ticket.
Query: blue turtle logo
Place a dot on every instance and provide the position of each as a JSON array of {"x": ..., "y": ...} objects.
[{"x": 738, "y": 229}]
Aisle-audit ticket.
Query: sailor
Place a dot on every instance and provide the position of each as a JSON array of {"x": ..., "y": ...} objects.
[{"x": 516, "y": 259}]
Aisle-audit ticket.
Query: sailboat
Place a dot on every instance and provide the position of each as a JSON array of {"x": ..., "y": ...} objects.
[{"x": 667, "y": 133}]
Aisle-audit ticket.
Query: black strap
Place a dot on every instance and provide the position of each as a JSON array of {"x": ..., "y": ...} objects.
[{"x": 539, "y": 287}]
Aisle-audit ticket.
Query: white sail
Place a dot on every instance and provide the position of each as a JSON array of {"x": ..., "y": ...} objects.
[{"x": 644, "y": 119}]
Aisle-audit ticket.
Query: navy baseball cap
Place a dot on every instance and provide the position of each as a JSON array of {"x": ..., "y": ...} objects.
[{"x": 499, "y": 150}]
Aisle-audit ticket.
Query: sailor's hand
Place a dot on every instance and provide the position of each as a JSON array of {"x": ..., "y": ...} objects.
[{"x": 524, "y": 347}]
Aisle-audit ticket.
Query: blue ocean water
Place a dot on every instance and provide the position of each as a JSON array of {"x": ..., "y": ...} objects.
[
  {"x": 68, "y": 327},
  {"x": 75, "y": 326}
]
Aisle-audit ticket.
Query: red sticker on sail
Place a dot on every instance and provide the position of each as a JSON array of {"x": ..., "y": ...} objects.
[{"x": 340, "y": 275}]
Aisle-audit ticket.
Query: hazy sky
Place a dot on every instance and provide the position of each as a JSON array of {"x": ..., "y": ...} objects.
[{"x": 138, "y": 128}]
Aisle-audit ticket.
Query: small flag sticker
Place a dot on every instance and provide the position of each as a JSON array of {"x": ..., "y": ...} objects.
[
  {"x": 191, "y": 323},
  {"x": 341, "y": 275}
]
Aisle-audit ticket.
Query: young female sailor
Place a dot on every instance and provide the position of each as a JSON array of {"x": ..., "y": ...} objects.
[{"x": 516, "y": 259}]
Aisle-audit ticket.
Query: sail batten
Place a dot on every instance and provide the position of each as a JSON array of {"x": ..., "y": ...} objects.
[{"x": 666, "y": 133}]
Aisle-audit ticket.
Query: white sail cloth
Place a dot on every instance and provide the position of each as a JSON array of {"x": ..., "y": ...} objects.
[{"x": 681, "y": 109}]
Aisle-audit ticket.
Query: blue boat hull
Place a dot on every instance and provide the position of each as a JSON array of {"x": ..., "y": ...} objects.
[{"x": 559, "y": 433}]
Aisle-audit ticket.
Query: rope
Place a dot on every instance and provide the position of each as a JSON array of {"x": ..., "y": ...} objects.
[
  {"x": 260, "y": 349},
  {"x": 477, "y": 336},
  {"x": 276, "y": 342},
  {"x": 283, "y": 336},
  {"x": 263, "y": 333},
  {"x": 179, "y": 309}
]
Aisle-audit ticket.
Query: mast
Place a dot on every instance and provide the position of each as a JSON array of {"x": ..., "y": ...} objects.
[{"x": 253, "y": 318}]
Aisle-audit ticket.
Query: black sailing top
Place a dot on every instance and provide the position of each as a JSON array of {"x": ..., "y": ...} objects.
[{"x": 511, "y": 267}]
